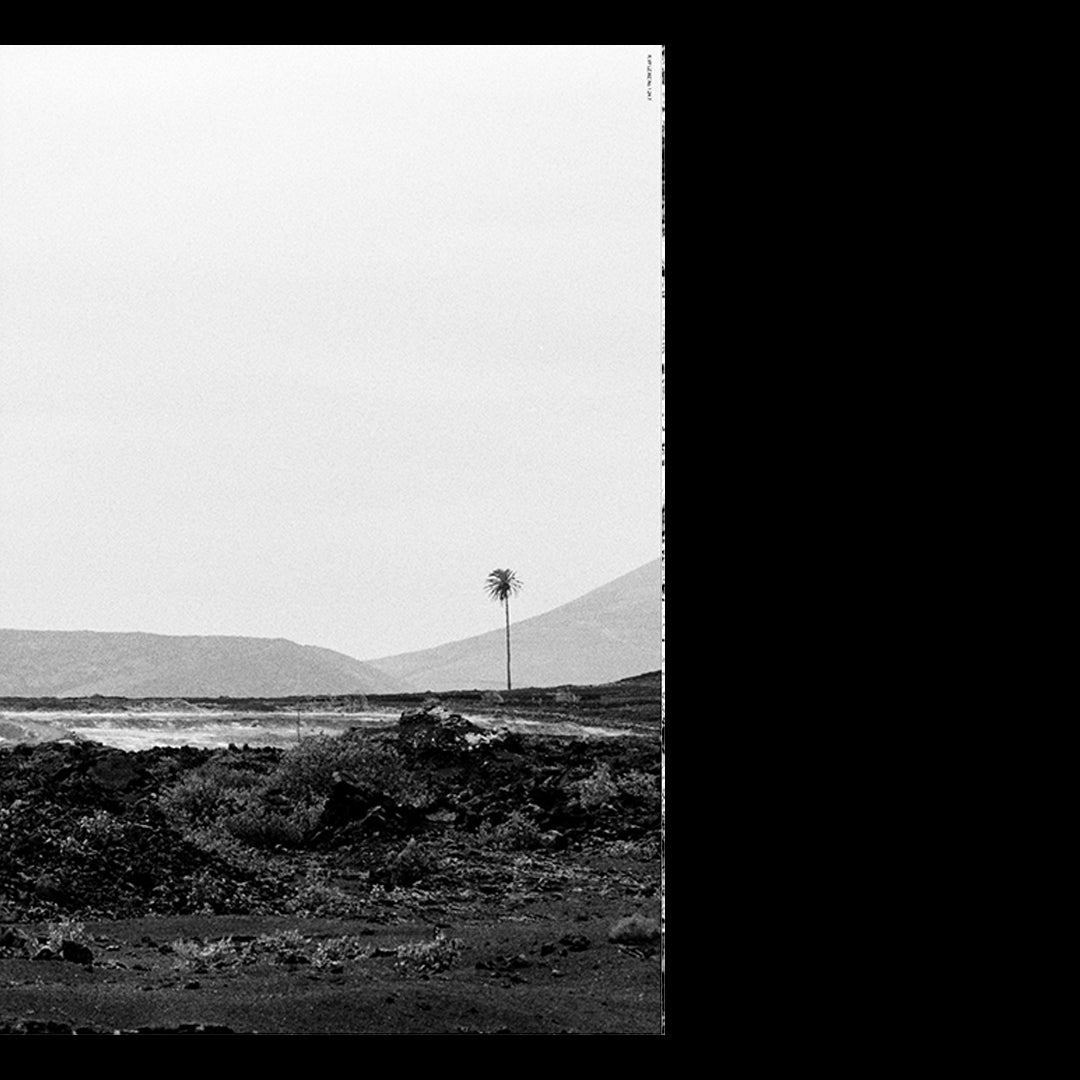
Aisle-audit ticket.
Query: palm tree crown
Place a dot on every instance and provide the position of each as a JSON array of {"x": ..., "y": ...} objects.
[{"x": 501, "y": 585}]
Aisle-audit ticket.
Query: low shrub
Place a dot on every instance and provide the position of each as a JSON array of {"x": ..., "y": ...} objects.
[
  {"x": 283, "y": 947},
  {"x": 316, "y": 897},
  {"x": 262, "y": 827},
  {"x": 65, "y": 930},
  {"x": 427, "y": 957},
  {"x": 209, "y": 794},
  {"x": 519, "y": 832},
  {"x": 214, "y": 840},
  {"x": 635, "y": 930},
  {"x": 408, "y": 866},
  {"x": 194, "y": 955},
  {"x": 308, "y": 772},
  {"x": 210, "y": 893},
  {"x": 282, "y": 807},
  {"x": 596, "y": 790},
  {"x": 100, "y": 827},
  {"x": 641, "y": 788},
  {"x": 333, "y": 952}
]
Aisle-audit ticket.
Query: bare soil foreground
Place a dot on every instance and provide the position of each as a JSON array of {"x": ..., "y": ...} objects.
[{"x": 432, "y": 874}]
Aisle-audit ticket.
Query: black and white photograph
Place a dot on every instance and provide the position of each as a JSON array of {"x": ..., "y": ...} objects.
[{"x": 332, "y": 551}]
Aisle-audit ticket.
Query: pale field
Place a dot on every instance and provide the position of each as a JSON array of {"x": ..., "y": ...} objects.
[{"x": 144, "y": 730}]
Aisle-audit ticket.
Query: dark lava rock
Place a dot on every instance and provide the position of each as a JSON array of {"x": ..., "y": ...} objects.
[
  {"x": 574, "y": 942},
  {"x": 504, "y": 964},
  {"x": 15, "y": 940},
  {"x": 116, "y": 772},
  {"x": 82, "y": 833},
  {"x": 76, "y": 952},
  {"x": 47, "y": 888},
  {"x": 434, "y": 730},
  {"x": 369, "y": 814},
  {"x": 84, "y": 829}
]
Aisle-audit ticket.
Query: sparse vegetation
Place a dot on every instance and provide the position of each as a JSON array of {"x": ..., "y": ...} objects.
[
  {"x": 281, "y": 806},
  {"x": 65, "y": 930},
  {"x": 311, "y": 878},
  {"x": 427, "y": 957},
  {"x": 281, "y": 947},
  {"x": 598, "y": 789},
  {"x": 635, "y": 930},
  {"x": 333, "y": 952},
  {"x": 410, "y": 865},
  {"x": 519, "y": 832}
]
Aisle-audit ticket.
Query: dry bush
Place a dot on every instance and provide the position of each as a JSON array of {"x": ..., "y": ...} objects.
[
  {"x": 410, "y": 865},
  {"x": 281, "y": 808},
  {"x": 208, "y": 794},
  {"x": 426, "y": 957},
  {"x": 635, "y": 930},
  {"x": 519, "y": 832},
  {"x": 596, "y": 790},
  {"x": 333, "y": 952},
  {"x": 310, "y": 770}
]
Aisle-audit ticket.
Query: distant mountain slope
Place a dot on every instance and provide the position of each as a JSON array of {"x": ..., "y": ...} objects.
[
  {"x": 610, "y": 633},
  {"x": 58, "y": 663}
]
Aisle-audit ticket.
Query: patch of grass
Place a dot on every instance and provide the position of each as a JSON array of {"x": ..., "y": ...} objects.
[
  {"x": 207, "y": 795},
  {"x": 267, "y": 827},
  {"x": 201, "y": 956},
  {"x": 282, "y": 947},
  {"x": 333, "y": 952},
  {"x": 427, "y": 957}
]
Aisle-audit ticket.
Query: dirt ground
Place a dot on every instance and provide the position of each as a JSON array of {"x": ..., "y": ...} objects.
[{"x": 548, "y": 970}]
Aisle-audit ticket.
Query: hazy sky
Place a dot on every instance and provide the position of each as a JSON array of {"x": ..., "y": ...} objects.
[{"x": 303, "y": 340}]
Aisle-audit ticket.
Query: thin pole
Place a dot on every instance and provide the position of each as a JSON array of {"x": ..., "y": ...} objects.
[{"x": 508, "y": 641}]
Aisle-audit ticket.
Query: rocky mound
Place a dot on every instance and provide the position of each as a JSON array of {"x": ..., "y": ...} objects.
[
  {"x": 80, "y": 831},
  {"x": 103, "y": 833}
]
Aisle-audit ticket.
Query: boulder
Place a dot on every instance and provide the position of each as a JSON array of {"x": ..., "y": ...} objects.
[
  {"x": 76, "y": 952},
  {"x": 434, "y": 729}
]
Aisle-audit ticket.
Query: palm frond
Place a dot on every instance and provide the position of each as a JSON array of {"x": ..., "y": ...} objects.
[{"x": 502, "y": 583}]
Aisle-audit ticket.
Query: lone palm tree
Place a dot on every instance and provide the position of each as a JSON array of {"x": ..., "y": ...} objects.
[{"x": 501, "y": 585}]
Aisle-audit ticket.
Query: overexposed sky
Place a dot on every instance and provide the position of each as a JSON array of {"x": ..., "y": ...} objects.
[{"x": 303, "y": 340}]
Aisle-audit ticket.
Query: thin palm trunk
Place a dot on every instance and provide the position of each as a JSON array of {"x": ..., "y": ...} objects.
[
  {"x": 507, "y": 602},
  {"x": 500, "y": 585}
]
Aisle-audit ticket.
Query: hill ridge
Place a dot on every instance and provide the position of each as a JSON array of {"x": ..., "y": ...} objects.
[
  {"x": 609, "y": 633},
  {"x": 136, "y": 663}
]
